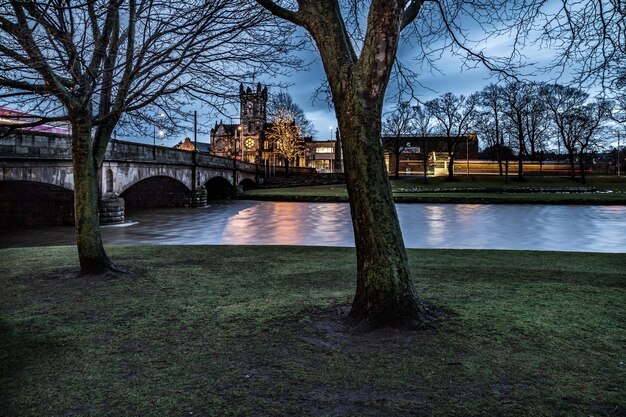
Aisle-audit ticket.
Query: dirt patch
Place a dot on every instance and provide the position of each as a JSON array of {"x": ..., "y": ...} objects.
[{"x": 331, "y": 330}]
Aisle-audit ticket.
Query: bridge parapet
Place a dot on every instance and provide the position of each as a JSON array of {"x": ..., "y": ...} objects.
[
  {"x": 30, "y": 145},
  {"x": 35, "y": 146}
]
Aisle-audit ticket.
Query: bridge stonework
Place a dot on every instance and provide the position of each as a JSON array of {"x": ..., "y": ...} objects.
[{"x": 46, "y": 159}]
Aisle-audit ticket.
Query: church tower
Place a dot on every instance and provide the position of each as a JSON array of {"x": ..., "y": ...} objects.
[{"x": 253, "y": 109}]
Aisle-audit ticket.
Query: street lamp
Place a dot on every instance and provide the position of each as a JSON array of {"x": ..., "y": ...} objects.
[
  {"x": 331, "y": 132},
  {"x": 616, "y": 133}
]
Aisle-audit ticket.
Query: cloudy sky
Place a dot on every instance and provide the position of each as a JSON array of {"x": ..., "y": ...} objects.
[{"x": 451, "y": 76}]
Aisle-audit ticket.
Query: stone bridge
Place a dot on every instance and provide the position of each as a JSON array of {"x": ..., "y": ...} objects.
[{"x": 37, "y": 180}]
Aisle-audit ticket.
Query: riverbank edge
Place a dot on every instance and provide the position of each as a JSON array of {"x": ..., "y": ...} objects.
[{"x": 437, "y": 200}]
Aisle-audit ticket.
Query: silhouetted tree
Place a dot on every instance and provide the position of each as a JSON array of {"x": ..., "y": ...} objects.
[
  {"x": 93, "y": 63},
  {"x": 455, "y": 116},
  {"x": 396, "y": 127},
  {"x": 492, "y": 99}
]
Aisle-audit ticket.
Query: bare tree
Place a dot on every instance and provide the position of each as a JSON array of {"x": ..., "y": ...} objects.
[
  {"x": 536, "y": 122},
  {"x": 492, "y": 99},
  {"x": 285, "y": 137},
  {"x": 516, "y": 106},
  {"x": 358, "y": 41},
  {"x": 396, "y": 127},
  {"x": 455, "y": 116},
  {"x": 423, "y": 127},
  {"x": 564, "y": 103},
  {"x": 284, "y": 102},
  {"x": 95, "y": 63},
  {"x": 385, "y": 291},
  {"x": 584, "y": 124}
]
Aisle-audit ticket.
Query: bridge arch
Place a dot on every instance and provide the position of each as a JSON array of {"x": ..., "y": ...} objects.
[
  {"x": 219, "y": 187},
  {"x": 247, "y": 183},
  {"x": 33, "y": 203},
  {"x": 156, "y": 191}
]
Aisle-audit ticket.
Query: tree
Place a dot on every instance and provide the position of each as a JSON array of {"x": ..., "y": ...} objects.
[
  {"x": 96, "y": 63},
  {"x": 285, "y": 137},
  {"x": 584, "y": 124},
  {"x": 396, "y": 127},
  {"x": 536, "y": 122},
  {"x": 455, "y": 116},
  {"x": 492, "y": 99},
  {"x": 516, "y": 105},
  {"x": 284, "y": 102},
  {"x": 564, "y": 104},
  {"x": 358, "y": 60},
  {"x": 423, "y": 129},
  {"x": 385, "y": 291}
]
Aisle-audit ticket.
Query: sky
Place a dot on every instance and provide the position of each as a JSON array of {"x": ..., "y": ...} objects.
[{"x": 451, "y": 76}]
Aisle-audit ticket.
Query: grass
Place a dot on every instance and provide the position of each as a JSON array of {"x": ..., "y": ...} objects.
[
  {"x": 238, "y": 331},
  {"x": 472, "y": 189}
]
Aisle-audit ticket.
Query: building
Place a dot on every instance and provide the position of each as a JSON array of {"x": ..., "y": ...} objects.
[
  {"x": 325, "y": 156},
  {"x": 188, "y": 145},
  {"x": 414, "y": 150},
  {"x": 244, "y": 140}
]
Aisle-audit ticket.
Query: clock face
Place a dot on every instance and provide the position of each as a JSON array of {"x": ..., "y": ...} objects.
[{"x": 249, "y": 143}]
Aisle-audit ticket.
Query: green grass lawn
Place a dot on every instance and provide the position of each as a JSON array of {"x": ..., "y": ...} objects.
[
  {"x": 238, "y": 331},
  {"x": 472, "y": 189}
]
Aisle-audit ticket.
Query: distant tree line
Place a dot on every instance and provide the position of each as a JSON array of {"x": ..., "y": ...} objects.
[{"x": 518, "y": 119}]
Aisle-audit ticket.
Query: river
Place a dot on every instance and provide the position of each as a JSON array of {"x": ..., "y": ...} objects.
[{"x": 460, "y": 226}]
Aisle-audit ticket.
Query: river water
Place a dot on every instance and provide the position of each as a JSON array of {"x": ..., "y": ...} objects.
[{"x": 461, "y": 226}]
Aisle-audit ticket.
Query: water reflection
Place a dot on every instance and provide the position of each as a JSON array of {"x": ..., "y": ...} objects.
[{"x": 549, "y": 227}]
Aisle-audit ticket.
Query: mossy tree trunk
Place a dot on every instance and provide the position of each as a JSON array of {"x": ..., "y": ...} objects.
[
  {"x": 92, "y": 257},
  {"x": 385, "y": 291}
]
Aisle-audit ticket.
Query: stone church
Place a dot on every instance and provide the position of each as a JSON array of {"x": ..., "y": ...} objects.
[{"x": 243, "y": 141}]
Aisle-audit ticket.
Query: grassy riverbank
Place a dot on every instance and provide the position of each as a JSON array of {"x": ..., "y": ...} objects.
[
  {"x": 471, "y": 189},
  {"x": 237, "y": 331}
]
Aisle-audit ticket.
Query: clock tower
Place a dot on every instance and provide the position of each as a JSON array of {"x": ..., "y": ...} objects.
[{"x": 253, "y": 110}]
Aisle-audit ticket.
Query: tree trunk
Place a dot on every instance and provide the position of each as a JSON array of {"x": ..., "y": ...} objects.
[
  {"x": 93, "y": 259},
  {"x": 385, "y": 293},
  {"x": 581, "y": 160},
  {"x": 451, "y": 168},
  {"x": 572, "y": 164}
]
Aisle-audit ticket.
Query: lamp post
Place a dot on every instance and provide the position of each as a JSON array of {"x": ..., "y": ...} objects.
[
  {"x": 331, "y": 132},
  {"x": 616, "y": 133}
]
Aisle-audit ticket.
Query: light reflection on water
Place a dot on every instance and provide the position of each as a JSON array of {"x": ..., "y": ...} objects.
[{"x": 538, "y": 227}]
